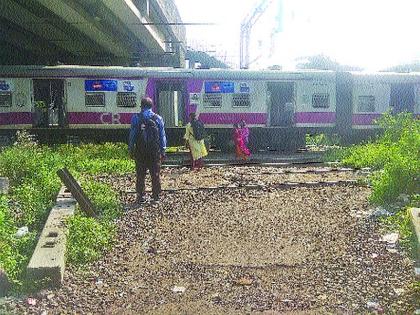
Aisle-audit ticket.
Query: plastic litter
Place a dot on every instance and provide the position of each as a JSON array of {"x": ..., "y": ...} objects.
[
  {"x": 391, "y": 238},
  {"x": 21, "y": 232}
]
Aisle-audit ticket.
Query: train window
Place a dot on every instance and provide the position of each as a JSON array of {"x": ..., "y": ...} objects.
[
  {"x": 321, "y": 100},
  {"x": 95, "y": 99},
  {"x": 241, "y": 100},
  {"x": 212, "y": 100},
  {"x": 366, "y": 104},
  {"x": 5, "y": 99},
  {"x": 126, "y": 99}
]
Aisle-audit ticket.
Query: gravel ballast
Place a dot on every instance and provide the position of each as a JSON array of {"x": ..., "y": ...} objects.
[{"x": 235, "y": 251}]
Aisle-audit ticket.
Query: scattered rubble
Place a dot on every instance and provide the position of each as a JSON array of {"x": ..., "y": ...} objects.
[{"x": 263, "y": 251}]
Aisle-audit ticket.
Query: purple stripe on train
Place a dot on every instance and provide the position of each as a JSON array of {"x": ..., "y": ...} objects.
[
  {"x": 365, "y": 119},
  {"x": 233, "y": 118},
  {"x": 16, "y": 118},
  {"x": 86, "y": 118},
  {"x": 315, "y": 118}
]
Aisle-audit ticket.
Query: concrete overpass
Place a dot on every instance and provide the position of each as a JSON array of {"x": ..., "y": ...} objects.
[{"x": 94, "y": 32}]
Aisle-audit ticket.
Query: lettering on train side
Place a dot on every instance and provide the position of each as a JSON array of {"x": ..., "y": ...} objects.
[{"x": 110, "y": 118}]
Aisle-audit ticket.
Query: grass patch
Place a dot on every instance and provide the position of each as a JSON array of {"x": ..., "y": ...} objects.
[
  {"x": 394, "y": 157},
  {"x": 87, "y": 239},
  {"x": 31, "y": 169}
]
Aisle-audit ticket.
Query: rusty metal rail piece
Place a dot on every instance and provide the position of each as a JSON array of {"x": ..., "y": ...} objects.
[{"x": 84, "y": 202}]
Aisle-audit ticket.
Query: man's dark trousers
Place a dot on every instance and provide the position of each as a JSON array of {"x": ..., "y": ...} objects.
[{"x": 141, "y": 169}]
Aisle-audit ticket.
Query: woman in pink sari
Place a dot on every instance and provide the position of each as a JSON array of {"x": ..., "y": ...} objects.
[
  {"x": 245, "y": 132},
  {"x": 242, "y": 152}
]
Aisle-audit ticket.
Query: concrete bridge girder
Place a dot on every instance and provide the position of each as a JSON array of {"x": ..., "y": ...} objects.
[
  {"x": 91, "y": 32},
  {"x": 127, "y": 12},
  {"x": 77, "y": 18},
  {"x": 32, "y": 23}
]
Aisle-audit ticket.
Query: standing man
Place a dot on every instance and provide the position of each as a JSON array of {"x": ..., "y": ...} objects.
[{"x": 147, "y": 144}]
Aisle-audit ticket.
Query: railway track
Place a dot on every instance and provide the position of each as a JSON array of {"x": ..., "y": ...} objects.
[
  {"x": 226, "y": 163},
  {"x": 282, "y": 185}
]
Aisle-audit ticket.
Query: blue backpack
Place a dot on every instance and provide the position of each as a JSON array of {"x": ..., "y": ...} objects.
[{"x": 148, "y": 140}]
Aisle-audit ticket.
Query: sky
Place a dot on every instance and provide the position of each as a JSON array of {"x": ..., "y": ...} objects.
[{"x": 372, "y": 34}]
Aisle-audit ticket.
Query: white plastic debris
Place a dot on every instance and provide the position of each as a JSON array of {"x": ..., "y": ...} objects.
[
  {"x": 390, "y": 238},
  {"x": 374, "y": 305},
  {"x": 379, "y": 212},
  {"x": 21, "y": 232},
  {"x": 177, "y": 289},
  {"x": 404, "y": 198},
  {"x": 417, "y": 272},
  {"x": 99, "y": 281},
  {"x": 399, "y": 291},
  {"x": 374, "y": 255},
  {"x": 31, "y": 301}
]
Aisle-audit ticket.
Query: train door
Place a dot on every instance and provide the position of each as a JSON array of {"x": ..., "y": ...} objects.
[
  {"x": 282, "y": 103},
  {"x": 48, "y": 103},
  {"x": 402, "y": 98},
  {"x": 170, "y": 102}
]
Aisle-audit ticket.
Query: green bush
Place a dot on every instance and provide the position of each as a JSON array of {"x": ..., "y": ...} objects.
[
  {"x": 395, "y": 156},
  {"x": 104, "y": 198},
  {"x": 109, "y": 158},
  {"x": 87, "y": 239}
]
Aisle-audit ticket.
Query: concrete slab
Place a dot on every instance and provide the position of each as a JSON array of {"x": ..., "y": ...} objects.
[
  {"x": 415, "y": 221},
  {"x": 4, "y": 185},
  {"x": 4, "y": 283},
  {"x": 48, "y": 260}
]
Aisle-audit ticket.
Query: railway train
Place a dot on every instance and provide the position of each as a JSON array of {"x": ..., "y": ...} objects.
[{"x": 97, "y": 103}]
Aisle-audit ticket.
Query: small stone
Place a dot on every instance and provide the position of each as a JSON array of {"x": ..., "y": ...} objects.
[
  {"x": 399, "y": 291},
  {"x": 177, "y": 289},
  {"x": 215, "y": 297},
  {"x": 244, "y": 281}
]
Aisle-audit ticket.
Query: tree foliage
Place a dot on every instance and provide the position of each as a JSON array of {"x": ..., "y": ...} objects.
[
  {"x": 405, "y": 68},
  {"x": 323, "y": 62},
  {"x": 204, "y": 59}
]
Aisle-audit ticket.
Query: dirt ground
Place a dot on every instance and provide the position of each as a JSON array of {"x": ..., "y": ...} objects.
[{"x": 239, "y": 251}]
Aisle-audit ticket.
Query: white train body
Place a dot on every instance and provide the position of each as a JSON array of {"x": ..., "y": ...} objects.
[{"x": 65, "y": 98}]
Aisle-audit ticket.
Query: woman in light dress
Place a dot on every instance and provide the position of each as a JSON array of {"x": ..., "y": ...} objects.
[{"x": 197, "y": 147}]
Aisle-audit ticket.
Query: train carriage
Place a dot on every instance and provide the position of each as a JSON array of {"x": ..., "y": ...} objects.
[
  {"x": 97, "y": 103},
  {"x": 375, "y": 94}
]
